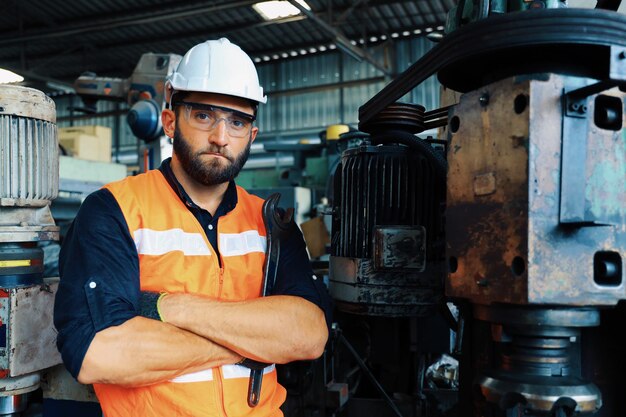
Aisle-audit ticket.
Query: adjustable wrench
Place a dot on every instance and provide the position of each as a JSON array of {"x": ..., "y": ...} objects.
[{"x": 277, "y": 227}]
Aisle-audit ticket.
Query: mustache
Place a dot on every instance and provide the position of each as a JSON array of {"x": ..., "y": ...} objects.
[{"x": 218, "y": 150}]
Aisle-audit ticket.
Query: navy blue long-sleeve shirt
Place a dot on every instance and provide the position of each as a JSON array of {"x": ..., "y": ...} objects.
[{"x": 99, "y": 245}]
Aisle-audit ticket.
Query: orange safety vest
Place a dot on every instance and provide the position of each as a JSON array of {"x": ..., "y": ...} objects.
[{"x": 176, "y": 256}]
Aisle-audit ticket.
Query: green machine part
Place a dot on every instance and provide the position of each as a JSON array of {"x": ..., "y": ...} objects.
[
  {"x": 316, "y": 175},
  {"x": 258, "y": 178}
]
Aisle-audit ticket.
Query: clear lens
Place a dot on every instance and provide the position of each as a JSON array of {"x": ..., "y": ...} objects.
[{"x": 206, "y": 117}]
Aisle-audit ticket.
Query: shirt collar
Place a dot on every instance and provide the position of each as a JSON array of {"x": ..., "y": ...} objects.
[{"x": 228, "y": 202}]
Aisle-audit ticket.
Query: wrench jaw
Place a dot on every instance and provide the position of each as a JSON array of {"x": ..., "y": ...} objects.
[{"x": 276, "y": 227}]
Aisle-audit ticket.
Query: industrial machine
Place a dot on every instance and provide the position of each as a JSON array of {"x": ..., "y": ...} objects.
[
  {"x": 478, "y": 274},
  {"x": 530, "y": 236},
  {"x": 29, "y": 181},
  {"x": 143, "y": 91}
]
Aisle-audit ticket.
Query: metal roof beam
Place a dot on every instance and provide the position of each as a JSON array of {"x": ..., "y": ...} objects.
[
  {"x": 348, "y": 12},
  {"x": 340, "y": 39},
  {"x": 106, "y": 24},
  {"x": 103, "y": 49},
  {"x": 33, "y": 13}
]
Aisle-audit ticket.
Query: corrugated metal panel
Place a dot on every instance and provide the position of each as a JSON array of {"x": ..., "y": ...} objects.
[
  {"x": 408, "y": 51},
  {"x": 354, "y": 97},
  {"x": 309, "y": 110},
  {"x": 355, "y": 70},
  {"x": 317, "y": 110},
  {"x": 308, "y": 71}
]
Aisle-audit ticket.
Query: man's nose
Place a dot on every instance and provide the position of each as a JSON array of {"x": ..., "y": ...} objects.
[{"x": 218, "y": 134}]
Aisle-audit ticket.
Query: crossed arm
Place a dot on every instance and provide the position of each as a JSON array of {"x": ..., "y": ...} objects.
[
  {"x": 201, "y": 333},
  {"x": 143, "y": 351}
]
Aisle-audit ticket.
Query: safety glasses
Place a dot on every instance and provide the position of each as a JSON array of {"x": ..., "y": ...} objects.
[{"x": 206, "y": 117}]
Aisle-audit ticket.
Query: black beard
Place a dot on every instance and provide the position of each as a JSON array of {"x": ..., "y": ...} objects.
[{"x": 208, "y": 173}]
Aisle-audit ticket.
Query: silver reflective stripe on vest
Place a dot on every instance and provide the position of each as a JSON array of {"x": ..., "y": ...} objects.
[
  {"x": 206, "y": 375},
  {"x": 237, "y": 244},
  {"x": 159, "y": 242},
  {"x": 229, "y": 372}
]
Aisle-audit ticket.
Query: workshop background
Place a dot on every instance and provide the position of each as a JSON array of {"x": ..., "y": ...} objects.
[{"x": 458, "y": 169}]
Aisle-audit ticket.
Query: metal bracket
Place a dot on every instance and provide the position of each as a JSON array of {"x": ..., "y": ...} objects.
[
  {"x": 617, "y": 69},
  {"x": 574, "y": 153}
]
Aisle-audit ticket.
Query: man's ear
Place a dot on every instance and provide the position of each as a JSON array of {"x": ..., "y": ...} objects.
[
  {"x": 168, "y": 119},
  {"x": 253, "y": 133}
]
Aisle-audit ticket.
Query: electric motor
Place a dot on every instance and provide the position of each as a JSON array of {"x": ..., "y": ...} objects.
[{"x": 387, "y": 239}]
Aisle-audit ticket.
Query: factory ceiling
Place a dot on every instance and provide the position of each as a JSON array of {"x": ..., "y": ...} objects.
[{"x": 51, "y": 43}]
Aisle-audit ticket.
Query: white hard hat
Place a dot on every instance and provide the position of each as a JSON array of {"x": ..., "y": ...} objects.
[{"x": 216, "y": 66}]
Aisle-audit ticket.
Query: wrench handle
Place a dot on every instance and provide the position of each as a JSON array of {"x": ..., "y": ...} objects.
[{"x": 254, "y": 387}]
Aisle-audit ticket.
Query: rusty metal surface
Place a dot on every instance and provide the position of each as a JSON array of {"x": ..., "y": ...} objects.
[
  {"x": 358, "y": 288},
  {"x": 19, "y": 385},
  {"x": 32, "y": 337},
  {"x": 27, "y": 224},
  {"x": 504, "y": 236}
]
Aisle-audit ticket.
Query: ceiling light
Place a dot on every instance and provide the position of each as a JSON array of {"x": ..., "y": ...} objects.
[
  {"x": 406, "y": 33},
  {"x": 332, "y": 46},
  {"x": 440, "y": 28},
  {"x": 373, "y": 39},
  {"x": 266, "y": 58},
  {"x": 428, "y": 30},
  {"x": 417, "y": 31},
  {"x": 395, "y": 35},
  {"x": 312, "y": 50},
  {"x": 257, "y": 59},
  {"x": 275, "y": 56},
  {"x": 303, "y": 52},
  {"x": 284, "y": 55},
  {"x": 276, "y": 9},
  {"x": 7, "y": 77},
  {"x": 293, "y": 53},
  {"x": 383, "y": 37},
  {"x": 353, "y": 42},
  {"x": 322, "y": 48}
]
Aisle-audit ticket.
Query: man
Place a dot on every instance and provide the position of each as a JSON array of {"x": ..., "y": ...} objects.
[{"x": 159, "y": 302}]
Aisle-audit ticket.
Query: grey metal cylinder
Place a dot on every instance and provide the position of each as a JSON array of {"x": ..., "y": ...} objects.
[
  {"x": 29, "y": 165},
  {"x": 12, "y": 405},
  {"x": 29, "y": 160}
]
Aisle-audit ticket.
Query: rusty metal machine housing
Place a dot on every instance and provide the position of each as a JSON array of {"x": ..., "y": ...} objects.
[
  {"x": 29, "y": 181},
  {"x": 536, "y": 232},
  {"x": 536, "y": 198}
]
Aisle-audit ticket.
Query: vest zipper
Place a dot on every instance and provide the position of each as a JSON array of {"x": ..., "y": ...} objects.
[
  {"x": 221, "y": 282},
  {"x": 220, "y": 376},
  {"x": 219, "y": 385},
  {"x": 221, "y": 265}
]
